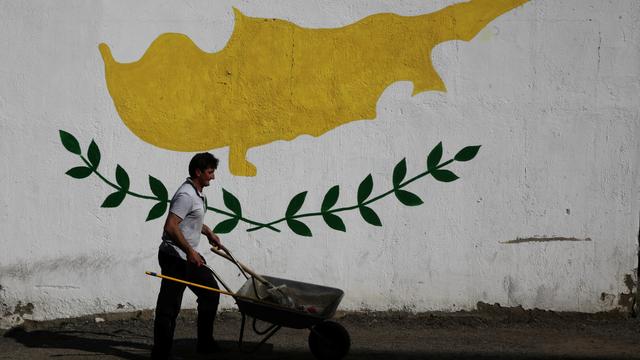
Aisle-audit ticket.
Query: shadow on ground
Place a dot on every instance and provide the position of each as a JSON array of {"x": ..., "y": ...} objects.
[
  {"x": 83, "y": 344},
  {"x": 96, "y": 343}
]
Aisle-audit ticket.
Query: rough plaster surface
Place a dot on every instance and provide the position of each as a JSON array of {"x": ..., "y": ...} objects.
[{"x": 550, "y": 90}]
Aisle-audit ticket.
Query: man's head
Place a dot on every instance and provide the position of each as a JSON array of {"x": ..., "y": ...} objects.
[{"x": 201, "y": 168}]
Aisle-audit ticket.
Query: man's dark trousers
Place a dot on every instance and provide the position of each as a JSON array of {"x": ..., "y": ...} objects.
[{"x": 170, "y": 299}]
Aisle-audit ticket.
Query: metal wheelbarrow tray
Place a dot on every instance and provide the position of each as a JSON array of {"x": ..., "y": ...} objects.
[
  {"x": 325, "y": 337},
  {"x": 324, "y": 299}
]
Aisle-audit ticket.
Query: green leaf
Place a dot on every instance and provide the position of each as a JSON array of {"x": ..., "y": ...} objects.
[
  {"x": 399, "y": 172},
  {"x": 330, "y": 198},
  {"x": 157, "y": 210},
  {"x": 69, "y": 142},
  {"x": 444, "y": 175},
  {"x": 79, "y": 172},
  {"x": 408, "y": 198},
  {"x": 232, "y": 203},
  {"x": 158, "y": 189},
  {"x": 114, "y": 199},
  {"x": 364, "y": 190},
  {"x": 467, "y": 153},
  {"x": 122, "y": 178},
  {"x": 433, "y": 160},
  {"x": 299, "y": 227},
  {"x": 334, "y": 222},
  {"x": 295, "y": 204},
  {"x": 226, "y": 226},
  {"x": 370, "y": 216},
  {"x": 94, "y": 154}
]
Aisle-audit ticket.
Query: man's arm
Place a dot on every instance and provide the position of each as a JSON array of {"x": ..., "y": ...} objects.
[
  {"x": 214, "y": 240},
  {"x": 172, "y": 228}
]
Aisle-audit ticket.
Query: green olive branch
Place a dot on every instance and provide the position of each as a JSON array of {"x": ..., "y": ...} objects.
[
  {"x": 347, "y": 208},
  {"x": 122, "y": 186},
  {"x": 434, "y": 167},
  {"x": 128, "y": 192}
]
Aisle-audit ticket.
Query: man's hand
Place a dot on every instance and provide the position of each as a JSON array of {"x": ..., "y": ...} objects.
[
  {"x": 195, "y": 258},
  {"x": 214, "y": 240}
]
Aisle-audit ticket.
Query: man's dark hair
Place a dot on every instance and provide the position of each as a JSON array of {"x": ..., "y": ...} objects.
[{"x": 202, "y": 161}]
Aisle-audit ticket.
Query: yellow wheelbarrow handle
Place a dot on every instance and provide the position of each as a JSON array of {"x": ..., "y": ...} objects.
[
  {"x": 214, "y": 289},
  {"x": 194, "y": 284}
]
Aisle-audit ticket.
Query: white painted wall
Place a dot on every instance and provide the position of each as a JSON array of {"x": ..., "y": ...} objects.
[{"x": 550, "y": 90}]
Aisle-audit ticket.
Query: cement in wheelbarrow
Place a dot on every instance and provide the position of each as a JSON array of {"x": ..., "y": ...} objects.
[{"x": 309, "y": 307}]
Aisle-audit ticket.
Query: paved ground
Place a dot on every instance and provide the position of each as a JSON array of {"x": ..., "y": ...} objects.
[{"x": 491, "y": 333}]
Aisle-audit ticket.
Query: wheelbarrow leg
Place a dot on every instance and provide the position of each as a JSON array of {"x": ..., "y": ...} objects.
[
  {"x": 241, "y": 331},
  {"x": 272, "y": 330}
]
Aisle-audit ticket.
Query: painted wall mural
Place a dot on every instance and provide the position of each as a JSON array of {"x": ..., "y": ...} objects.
[
  {"x": 545, "y": 215},
  {"x": 275, "y": 80}
]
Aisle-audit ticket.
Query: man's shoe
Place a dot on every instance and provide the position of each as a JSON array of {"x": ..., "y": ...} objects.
[
  {"x": 157, "y": 354},
  {"x": 209, "y": 347}
]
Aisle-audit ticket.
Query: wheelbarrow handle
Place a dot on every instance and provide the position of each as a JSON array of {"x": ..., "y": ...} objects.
[
  {"x": 150, "y": 273},
  {"x": 244, "y": 268},
  {"x": 234, "y": 295}
]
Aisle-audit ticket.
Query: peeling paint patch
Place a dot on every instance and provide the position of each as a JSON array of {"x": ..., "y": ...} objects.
[
  {"x": 628, "y": 301},
  {"x": 542, "y": 239},
  {"x": 607, "y": 299},
  {"x": 5, "y": 309},
  {"x": 23, "y": 309},
  {"x": 16, "y": 317}
]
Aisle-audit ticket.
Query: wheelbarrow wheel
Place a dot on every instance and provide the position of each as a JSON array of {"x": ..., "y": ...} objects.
[{"x": 329, "y": 340}]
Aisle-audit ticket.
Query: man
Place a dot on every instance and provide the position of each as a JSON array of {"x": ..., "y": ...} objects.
[{"x": 178, "y": 258}]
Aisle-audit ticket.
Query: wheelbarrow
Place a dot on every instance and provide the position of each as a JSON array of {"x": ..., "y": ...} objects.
[{"x": 285, "y": 303}]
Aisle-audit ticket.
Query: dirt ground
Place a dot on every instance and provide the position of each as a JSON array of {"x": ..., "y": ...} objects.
[{"x": 491, "y": 332}]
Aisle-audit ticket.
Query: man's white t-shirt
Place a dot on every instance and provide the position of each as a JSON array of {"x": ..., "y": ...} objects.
[{"x": 190, "y": 206}]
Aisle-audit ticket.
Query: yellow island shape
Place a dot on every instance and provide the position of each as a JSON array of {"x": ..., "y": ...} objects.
[{"x": 275, "y": 80}]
